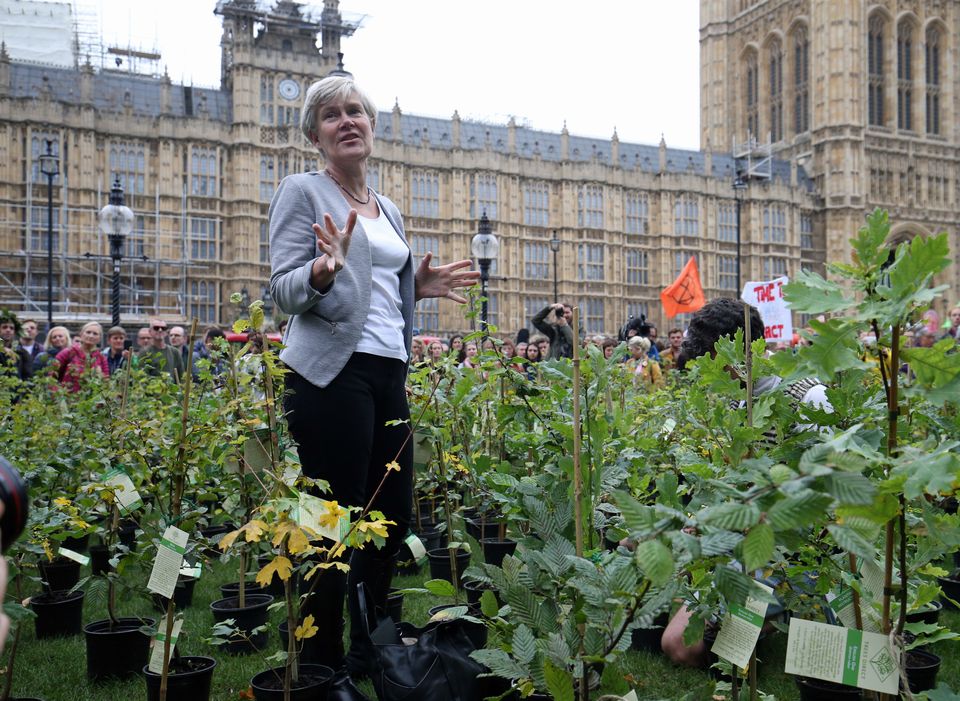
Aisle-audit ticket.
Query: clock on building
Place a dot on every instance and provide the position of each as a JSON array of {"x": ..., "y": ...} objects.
[{"x": 289, "y": 89}]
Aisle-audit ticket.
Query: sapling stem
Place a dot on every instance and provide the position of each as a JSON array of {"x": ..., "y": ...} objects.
[
  {"x": 165, "y": 672},
  {"x": 577, "y": 475}
]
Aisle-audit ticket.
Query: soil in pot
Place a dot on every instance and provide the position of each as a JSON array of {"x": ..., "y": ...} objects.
[
  {"x": 495, "y": 550},
  {"x": 59, "y": 575},
  {"x": 182, "y": 595},
  {"x": 313, "y": 683},
  {"x": 922, "y": 670},
  {"x": 253, "y": 615},
  {"x": 100, "y": 560},
  {"x": 819, "y": 690},
  {"x": 116, "y": 650},
  {"x": 59, "y": 613},
  {"x": 189, "y": 679},
  {"x": 951, "y": 590},
  {"x": 311, "y": 649},
  {"x": 440, "y": 567}
]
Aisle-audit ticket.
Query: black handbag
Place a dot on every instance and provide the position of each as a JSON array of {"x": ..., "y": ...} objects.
[{"x": 432, "y": 663}]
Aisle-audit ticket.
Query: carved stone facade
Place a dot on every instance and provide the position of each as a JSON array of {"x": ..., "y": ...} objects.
[
  {"x": 199, "y": 167},
  {"x": 863, "y": 94}
]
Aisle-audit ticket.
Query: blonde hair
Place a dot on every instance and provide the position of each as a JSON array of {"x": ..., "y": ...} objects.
[
  {"x": 331, "y": 88},
  {"x": 641, "y": 342},
  {"x": 46, "y": 341},
  {"x": 91, "y": 325}
]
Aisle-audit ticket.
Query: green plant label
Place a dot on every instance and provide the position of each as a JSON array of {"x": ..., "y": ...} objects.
[
  {"x": 166, "y": 567},
  {"x": 310, "y": 512},
  {"x": 871, "y": 585},
  {"x": 126, "y": 494},
  {"x": 417, "y": 548},
  {"x": 842, "y": 655},
  {"x": 75, "y": 556},
  {"x": 156, "y": 654},
  {"x": 740, "y": 630}
]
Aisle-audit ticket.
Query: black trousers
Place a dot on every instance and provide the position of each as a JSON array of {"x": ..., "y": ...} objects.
[{"x": 343, "y": 438}]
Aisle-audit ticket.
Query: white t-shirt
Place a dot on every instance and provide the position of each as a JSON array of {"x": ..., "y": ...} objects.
[{"x": 383, "y": 331}]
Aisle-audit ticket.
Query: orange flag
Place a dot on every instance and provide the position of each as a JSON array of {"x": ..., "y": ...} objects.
[{"x": 686, "y": 292}]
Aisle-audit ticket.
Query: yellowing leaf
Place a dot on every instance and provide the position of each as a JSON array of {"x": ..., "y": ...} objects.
[
  {"x": 393, "y": 466},
  {"x": 306, "y": 629},
  {"x": 61, "y": 501},
  {"x": 281, "y": 565},
  {"x": 254, "y": 530},
  {"x": 228, "y": 539},
  {"x": 374, "y": 527},
  {"x": 334, "y": 513}
]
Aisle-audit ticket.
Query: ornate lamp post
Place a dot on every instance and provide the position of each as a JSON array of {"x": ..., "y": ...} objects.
[
  {"x": 50, "y": 166},
  {"x": 555, "y": 247},
  {"x": 739, "y": 187},
  {"x": 267, "y": 304},
  {"x": 484, "y": 248},
  {"x": 116, "y": 221}
]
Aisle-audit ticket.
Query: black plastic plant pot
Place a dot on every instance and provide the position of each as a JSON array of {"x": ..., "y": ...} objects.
[
  {"x": 475, "y": 590},
  {"x": 182, "y": 595},
  {"x": 100, "y": 560},
  {"x": 188, "y": 679},
  {"x": 440, "y": 567},
  {"x": 128, "y": 534},
  {"x": 116, "y": 649},
  {"x": 495, "y": 550},
  {"x": 233, "y": 589},
  {"x": 311, "y": 649},
  {"x": 928, "y": 614},
  {"x": 433, "y": 538},
  {"x": 213, "y": 534},
  {"x": 246, "y": 619},
  {"x": 819, "y": 690},
  {"x": 312, "y": 685},
  {"x": 59, "y": 614},
  {"x": 483, "y": 530},
  {"x": 59, "y": 575},
  {"x": 395, "y": 605},
  {"x": 950, "y": 587},
  {"x": 922, "y": 670},
  {"x": 78, "y": 545},
  {"x": 477, "y": 632}
]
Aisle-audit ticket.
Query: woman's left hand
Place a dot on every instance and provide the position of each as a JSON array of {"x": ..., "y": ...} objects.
[{"x": 443, "y": 280}]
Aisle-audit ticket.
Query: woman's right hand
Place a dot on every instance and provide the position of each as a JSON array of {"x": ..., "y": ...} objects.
[{"x": 334, "y": 244}]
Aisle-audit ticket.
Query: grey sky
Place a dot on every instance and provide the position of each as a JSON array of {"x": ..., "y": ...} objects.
[{"x": 629, "y": 64}]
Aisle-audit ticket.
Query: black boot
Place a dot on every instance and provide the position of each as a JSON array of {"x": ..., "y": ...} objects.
[
  {"x": 376, "y": 572},
  {"x": 342, "y": 688}
]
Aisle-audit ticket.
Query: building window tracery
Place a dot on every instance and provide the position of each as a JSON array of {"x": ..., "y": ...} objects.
[
  {"x": 536, "y": 204},
  {"x": 424, "y": 194},
  {"x": 483, "y": 195},
  {"x": 905, "y": 76},
  {"x": 636, "y": 207},
  {"x": 875, "y": 73},
  {"x": 776, "y": 90},
  {"x": 751, "y": 94},
  {"x": 933, "y": 79},
  {"x": 801, "y": 81},
  {"x": 590, "y": 206}
]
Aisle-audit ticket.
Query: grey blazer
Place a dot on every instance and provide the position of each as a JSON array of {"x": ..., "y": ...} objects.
[{"x": 324, "y": 329}]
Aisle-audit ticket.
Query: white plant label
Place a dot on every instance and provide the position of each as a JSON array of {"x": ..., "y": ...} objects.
[
  {"x": 309, "y": 512},
  {"x": 166, "y": 568},
  {"x": 740, "y": 630},
  {"x": 842, "y": 655},
  {"x": 75, "y": 556},
  {"x": 126, "y": 494},
  {"x": 156, "y": 654},
  {"x": 417, "y": 548}
]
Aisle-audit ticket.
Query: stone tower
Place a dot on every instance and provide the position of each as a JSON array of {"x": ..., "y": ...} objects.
[{"x": 863, "y": 95}]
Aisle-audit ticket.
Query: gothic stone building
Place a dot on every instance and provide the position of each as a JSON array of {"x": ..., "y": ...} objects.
[
  {"x": 864, "y": 95},
  {"x": 199, "y": 167}
]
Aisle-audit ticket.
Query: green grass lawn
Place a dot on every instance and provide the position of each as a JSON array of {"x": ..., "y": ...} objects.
[{"x": 55, "y": 670}]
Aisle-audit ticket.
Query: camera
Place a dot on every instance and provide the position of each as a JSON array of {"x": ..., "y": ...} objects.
[{"x": 13, "y": 494}]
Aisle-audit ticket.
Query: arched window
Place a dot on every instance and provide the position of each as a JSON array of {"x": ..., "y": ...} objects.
[
  {"x": 905, "y": 76},
  {"x": 875, "y": 76},
  {"x": 801, "y": 81},
  {"x": 933, "y": 80},
  {"x": 751, "y": 90},
  {"x": 776, "y": 91}
]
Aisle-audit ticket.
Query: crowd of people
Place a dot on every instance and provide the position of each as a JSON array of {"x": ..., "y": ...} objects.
[{"x": 66, "y": 356}]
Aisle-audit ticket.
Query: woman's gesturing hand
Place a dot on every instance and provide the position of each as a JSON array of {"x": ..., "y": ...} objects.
[
  {"x": 334, "y": 244},
  {"x": 443, "y": 280}
]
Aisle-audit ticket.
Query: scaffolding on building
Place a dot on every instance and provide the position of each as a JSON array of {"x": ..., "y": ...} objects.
[{"x": 754, "y": 160}]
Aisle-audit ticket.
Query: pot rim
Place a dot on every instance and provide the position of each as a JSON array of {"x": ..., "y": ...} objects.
[
  {"x": 208, "y": 668},
  {"x": 280, "y": 671},
  {"x": 263, "y": 600},
  {"x": 129, "y": 624},
  {"x": 74, "y": 595}
]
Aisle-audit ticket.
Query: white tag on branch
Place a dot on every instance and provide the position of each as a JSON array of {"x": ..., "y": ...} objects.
[
  {"x": 326, "y": 519},
  {"x": 417, "y": 549},
  {"x": 75, "y": 556},
  {"x": 156, "y": 654},
  {"x": 740, "y": 630},
  {"x": 126, "y": 494},
  {"x": 166, "y": 568}
]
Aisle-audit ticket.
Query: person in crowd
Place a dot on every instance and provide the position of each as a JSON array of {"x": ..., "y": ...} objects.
[
  {"x": 608, "y": 345},
  {"x": 655, "y": 341},
  {"x": 470, "y": 353},
  {"x": 924, "y": 338},
  {"x": 205, "y": 353},
  {"x": 159, "y": 357},
  {"x": 282, "y": 327},
  {"x": 57, "y": 339},
  {"x": 669, "y": 357},
  {"x": 646, "y": 371},
  {"x": 455, "y": 346},
  {"x": 435, "y": 352},
  {"x": 78, "y": 358},
  {"x": 543, "y": 345},
  {"x": 144, "y": 339},
  {"x": 12, "y": 356},
  {"x": 347, "y": 345},
  {"x": 28, "y": 339},
  {"x": 954, "y": 329},
  {"x": 554, "y": 323},
  {"x": 416, "y": 352},
  {"x": 521, "y": 351},
  {"x": 178, "y": 341},
  {"x": 532, "y": 357},
  {"x": 114, "y": 352},
  {"x": 638, "y": 326}
]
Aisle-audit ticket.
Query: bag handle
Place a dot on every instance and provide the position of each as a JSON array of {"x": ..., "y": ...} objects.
[{"x": 362, "y": 602}]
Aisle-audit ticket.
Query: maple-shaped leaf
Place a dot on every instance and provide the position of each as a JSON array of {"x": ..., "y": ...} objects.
[
  {"x": 279, "y": 565},
  {"x": 833, "y": 348},
  {"x": 868, "y": 245},
  {"x": 811, "y": 294},
  {"x": 306, "y": 629},
  {"x": 916, "y": 263}
]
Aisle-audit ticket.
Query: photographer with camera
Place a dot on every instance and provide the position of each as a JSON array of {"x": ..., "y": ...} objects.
[
  {"x": 554, "y": 323},
  {"x": 638, "y": 326}
]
